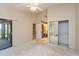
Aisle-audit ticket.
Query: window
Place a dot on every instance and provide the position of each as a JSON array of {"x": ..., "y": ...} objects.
[{"x": 5, "y": 33}]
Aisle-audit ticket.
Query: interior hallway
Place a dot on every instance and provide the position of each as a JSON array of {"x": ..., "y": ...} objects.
[{"x": 38, "y": 48}]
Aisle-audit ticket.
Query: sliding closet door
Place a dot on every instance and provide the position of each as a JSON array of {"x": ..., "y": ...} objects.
[{"x": 63, "y": 33}]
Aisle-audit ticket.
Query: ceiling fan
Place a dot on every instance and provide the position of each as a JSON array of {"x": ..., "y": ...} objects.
[{"x": 34, "y": 7}]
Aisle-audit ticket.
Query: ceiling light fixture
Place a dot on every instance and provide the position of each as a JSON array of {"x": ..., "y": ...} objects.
[{"x": 34, "y": 7}]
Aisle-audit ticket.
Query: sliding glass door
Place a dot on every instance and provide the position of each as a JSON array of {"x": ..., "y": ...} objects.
[
  {"x": 5, "y": 34},
  {"x": 53, "y": 32},
  {"x": 63, "y": 31},
  {"x": 59, "y": 33}
]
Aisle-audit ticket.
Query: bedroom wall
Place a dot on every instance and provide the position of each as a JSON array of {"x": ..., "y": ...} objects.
[
  {"x": 41, "y": 16},
  {"x": 22, "y": 24},
  {"x": 77, "y": 28}
]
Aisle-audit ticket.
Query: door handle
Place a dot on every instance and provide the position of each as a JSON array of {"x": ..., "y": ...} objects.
[{"x": 56, "y": 35}]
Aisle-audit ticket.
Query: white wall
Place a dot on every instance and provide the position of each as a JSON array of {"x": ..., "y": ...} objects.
[
  {"x": 22, "y": 26},
  {"x": 65, "y": 12},
  {"x": 77, "y": 28},
  {"x": 41, "y": 16}
]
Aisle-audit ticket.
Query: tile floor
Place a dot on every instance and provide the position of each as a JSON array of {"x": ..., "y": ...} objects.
[{"x": 38, "y": 48}]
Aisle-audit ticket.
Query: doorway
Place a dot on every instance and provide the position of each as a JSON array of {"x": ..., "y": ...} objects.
[
  {"x": 34, "y": 31},
  {"x": 40, "y": 31},
  {"x": 5, "y": 34},
  {"x": 44, "y": 29}
]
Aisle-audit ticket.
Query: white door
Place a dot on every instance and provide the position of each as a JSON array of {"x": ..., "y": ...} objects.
[
  {"x": 38, "y": 31},
  {"x": 53, "y": 32},
  {"x": 63, "y": 33}
]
